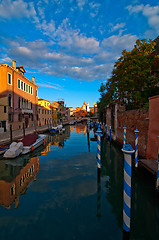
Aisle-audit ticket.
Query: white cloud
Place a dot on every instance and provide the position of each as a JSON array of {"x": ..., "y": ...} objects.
[
  {"x": 48, "y": 86},
  {"x": 119, "y": 42},
  {"x": 117, "y": 26},
  {"x": 150, "y": 12},
  {"x": 16, "y": 9},
  {"x": 81, "y": 3}
]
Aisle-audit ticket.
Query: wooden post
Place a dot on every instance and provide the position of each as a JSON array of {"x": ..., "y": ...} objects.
[
  {"x": 23, "y": 129},
  {"x": 35, "y": 126},
  {"x": 11, "y": 136}
]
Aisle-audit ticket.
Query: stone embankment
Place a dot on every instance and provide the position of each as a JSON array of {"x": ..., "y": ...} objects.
[{"x": 16, "y": 134}]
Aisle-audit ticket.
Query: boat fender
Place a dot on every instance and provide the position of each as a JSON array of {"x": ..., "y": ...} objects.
[{"x": 32, "y": 148}]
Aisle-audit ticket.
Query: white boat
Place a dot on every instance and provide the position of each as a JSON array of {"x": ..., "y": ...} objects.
[
  {"x": 30, "y": 148},
  {"x": 15, "y": 149},
  {"x": 28, "y": 144}
]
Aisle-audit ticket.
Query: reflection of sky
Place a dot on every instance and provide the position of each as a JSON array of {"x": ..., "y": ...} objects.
[{"x": 64, "y": 201}]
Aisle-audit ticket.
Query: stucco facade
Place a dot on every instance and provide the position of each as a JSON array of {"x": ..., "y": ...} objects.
[{"x": 20, "y": 97}]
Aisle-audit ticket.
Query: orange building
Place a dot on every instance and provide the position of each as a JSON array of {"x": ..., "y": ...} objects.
[
  {"x": 18, "y": 98},
  {"x": 45, "y": 114}
]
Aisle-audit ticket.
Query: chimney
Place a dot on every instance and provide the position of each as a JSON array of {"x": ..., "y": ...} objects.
[
  {"x": 14, "y": 64},
  {"x": 33, "y": 79}
]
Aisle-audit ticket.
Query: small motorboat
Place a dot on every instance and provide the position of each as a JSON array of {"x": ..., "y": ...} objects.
[
  {"x": 56, "y": 129},
  {"x": 26, "y": 145},
  {"x": 31, "y": 142}
]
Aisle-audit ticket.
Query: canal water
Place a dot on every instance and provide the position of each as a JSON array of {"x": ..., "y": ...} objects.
[{"x": 54, "y": 193}]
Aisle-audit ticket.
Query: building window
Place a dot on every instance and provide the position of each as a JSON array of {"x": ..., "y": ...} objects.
[
  {"x": 18, "y": 83},
  {"x": 31, "y": 105},
  {"x": 9, "y": 79},
  {"x": 5, "y": 109},
  {"x": 45, "y": 111},
  {"x": 31, "y": 90},
  {"x": 36, "y": 93},
  {"x": 20, "y": 117},
  {"x": 22, "y": 102},
  {"x": 39, "y": 111},
  {"x": 24, "y": 86},
  {"x": 10, "y": 117},
  {"x": 19, "y": 103},
  {"x": 42, "y": 111},
  {"x": 9, "y": 101},
  {"x": 21, "y": 85}
]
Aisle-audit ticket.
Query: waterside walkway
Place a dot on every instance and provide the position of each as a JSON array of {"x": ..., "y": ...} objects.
[{"x": 16, "y": 134}]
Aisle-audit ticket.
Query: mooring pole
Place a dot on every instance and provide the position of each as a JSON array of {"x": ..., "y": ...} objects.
[
  {"x": 23, "y": 129},
  {"x": 136, "y": 147},
  {"x": 110, "y": 135},
  {"x": 106, "y": 131},
  {"x": 127, "y": 151},
  {"x": 124, "y": 137},
  {"x": 11, "y": 136},
  {"x": 99, "y": 135}
]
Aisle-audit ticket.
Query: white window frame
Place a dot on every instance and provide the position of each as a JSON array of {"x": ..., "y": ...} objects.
[{"x": 10, "y": 78}]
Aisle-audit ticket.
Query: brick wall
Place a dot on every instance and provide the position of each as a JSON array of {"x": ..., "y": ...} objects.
[
  {"x": 132, "y": 119},
  {"x": 153, "y": 131}
]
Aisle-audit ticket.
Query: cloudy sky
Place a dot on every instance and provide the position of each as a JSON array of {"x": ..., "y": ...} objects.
[{"x": 70, "y": 46}]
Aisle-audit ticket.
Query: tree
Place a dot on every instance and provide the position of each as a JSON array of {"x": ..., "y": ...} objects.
[{"x": 134, "y": 77}]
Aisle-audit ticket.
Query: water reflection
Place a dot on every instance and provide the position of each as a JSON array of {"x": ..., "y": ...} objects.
[
  {"x": 69, "y": 199},
  {"x": 144, "y": 204},
  {"x": 15, "y": 176}
]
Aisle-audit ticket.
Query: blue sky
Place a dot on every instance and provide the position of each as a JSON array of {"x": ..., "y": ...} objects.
[{"x": 70, "y": 46}]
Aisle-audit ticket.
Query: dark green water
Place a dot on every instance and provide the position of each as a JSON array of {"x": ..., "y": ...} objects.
[{"x": 54, "y": 193}]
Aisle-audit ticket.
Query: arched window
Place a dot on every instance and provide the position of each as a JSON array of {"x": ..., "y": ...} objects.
[{"x": 9, "y": 100}]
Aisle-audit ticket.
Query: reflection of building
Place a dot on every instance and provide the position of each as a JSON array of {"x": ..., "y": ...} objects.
[
  {"x": 15, "y": 179},
  {"x": 81, "y": 128},
  {"x": 45, "y": 116},
  {"x": 19, "y": 98}
]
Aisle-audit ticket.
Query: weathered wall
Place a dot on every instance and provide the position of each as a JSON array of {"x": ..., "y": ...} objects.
[
  {"x": 132, "y": 119},
  {"x": 153, "y": 131}
]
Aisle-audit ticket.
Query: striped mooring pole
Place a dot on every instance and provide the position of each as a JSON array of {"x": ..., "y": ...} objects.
[
  {"x": 99, "y": 135},
  {"x": 157, "y": 182},
  {"x": 127, "y": 151},
  {"x": 106, "y": 131},
  {"x": 136, "y": 147},
  {"x": 110, "y": 134},
  {"x": 124, "y": 137}
]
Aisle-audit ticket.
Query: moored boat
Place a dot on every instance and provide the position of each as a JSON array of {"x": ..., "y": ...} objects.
[
  {"x": 26, "y": 145},
  {"x": 31, "y": 142}
]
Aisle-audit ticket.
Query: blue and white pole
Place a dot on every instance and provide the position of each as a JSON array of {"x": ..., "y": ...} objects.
[
  {"x": 157, "y": 182},
  {"x": 99, "y": 135},
  {"x": 127, "y": 151},
  {"x": 110, "y": 134},
  {"x": 106, "y": 131},
  {"x": 124, "y": 137},
  {"x": 136, "y": 147}
]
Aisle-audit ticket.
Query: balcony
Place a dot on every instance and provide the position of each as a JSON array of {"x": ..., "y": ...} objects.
[{"x": 26, "y": 110}]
